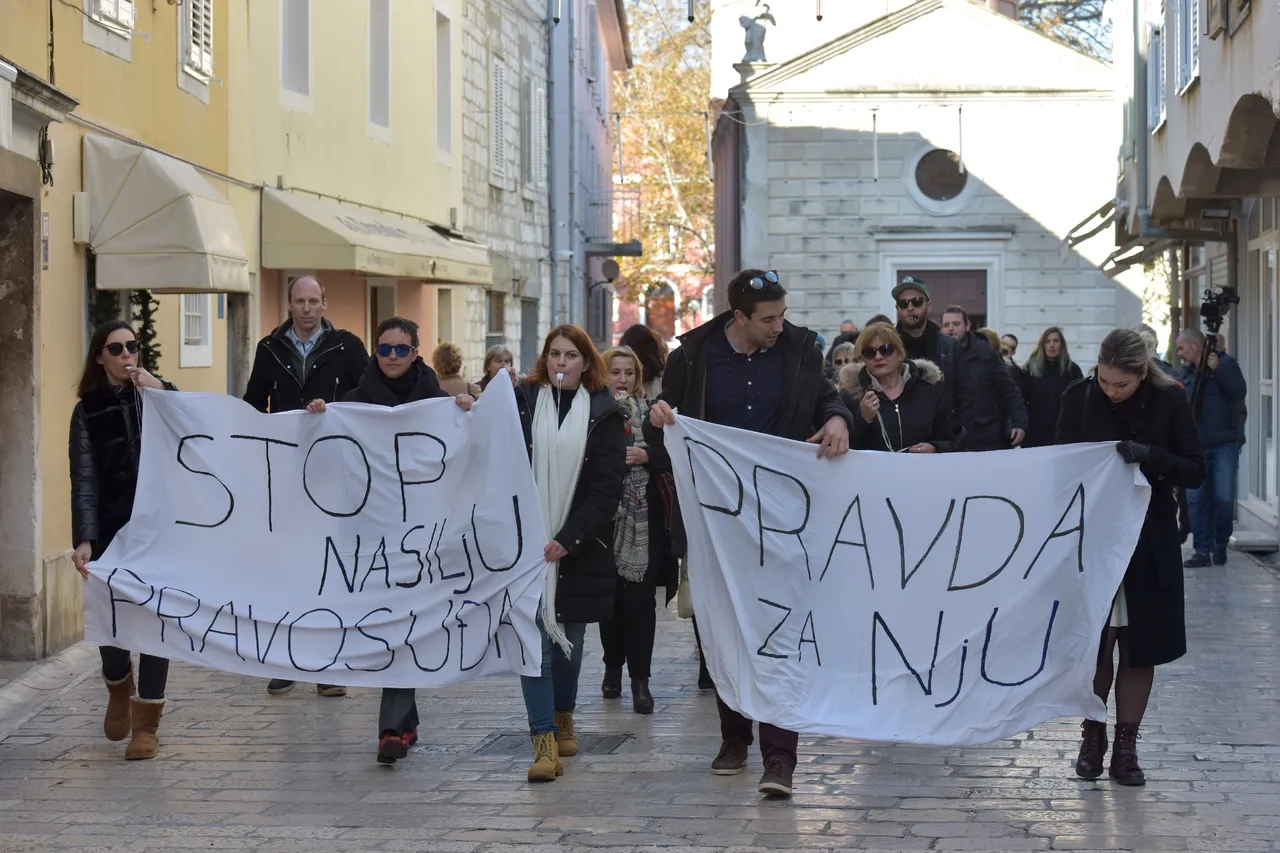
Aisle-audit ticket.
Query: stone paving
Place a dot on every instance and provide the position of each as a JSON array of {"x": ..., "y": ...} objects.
[{"x": 241, "y": 771}]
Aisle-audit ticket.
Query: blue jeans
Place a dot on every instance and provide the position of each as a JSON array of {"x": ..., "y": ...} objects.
[
  {"x": 1212, "y": 506},
  {"x": 557, "y": 688}
]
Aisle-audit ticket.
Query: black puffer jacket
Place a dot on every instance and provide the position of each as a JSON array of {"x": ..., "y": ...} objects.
[
  {"x": 282, "y": 382},
  {"x": 919, "y": 415},
  {"x": 1162, "y": 419},
  {"x": 1043, "y": 394},
  {"x": 374, "y": 387},
  {"x": 105, "y": 448},
  {"x": 588, "y": 575},
  {"x": 994, "y": 401},
  {"x": 943, "y": 350}
]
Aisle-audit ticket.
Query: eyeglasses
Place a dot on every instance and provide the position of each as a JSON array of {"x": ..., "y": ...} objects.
[
  {"x": 401, "y": 350},
  {"x": 911, "y": 301},
  {"x": 758, "y": 282},
  {"x": 115, "y": 347},
  {"x": 885, "y": 350}
]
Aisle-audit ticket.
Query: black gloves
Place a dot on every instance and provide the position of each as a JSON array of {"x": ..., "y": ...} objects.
[{"x": 1133, "y": 452}]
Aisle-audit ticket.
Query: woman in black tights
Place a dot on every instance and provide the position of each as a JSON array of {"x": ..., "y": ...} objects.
[
  {"x": 1131, "y": 401},
  {"x": 105, "y": 446}
]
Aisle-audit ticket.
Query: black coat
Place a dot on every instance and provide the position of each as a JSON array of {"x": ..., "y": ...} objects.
[
  {"x": 588, "y": 576},
  {"x": 943, "y": 350},
  {"x": 105, "y": 448},
  {"x": 282, "y": 382},
  {"x": 1043, "y": 394},
  {"x": 373, "y": 387},
  {"x": 994, "y": 403},
  {"x": 919, "y": 415},
  {"x": 1160, "y": 418},
  {"x": 809, "y": 399}
]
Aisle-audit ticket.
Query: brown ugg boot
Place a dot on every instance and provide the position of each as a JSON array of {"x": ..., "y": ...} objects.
[
  {"x": 115, "y": 723},
  {"x": 566, "y": 740},
  {"x": 146, "y": 719},
  {"x": 546, "y": 759}
]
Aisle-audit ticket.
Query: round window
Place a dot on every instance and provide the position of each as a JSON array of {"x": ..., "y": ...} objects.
[{"x": 939, "y": 176}]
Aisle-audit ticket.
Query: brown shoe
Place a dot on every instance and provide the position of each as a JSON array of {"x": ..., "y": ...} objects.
[
  {"x": 776, "y": 781},
  {"x": 115, "y": 723},
  {"x": 641, "y": 698},
  {"x": 566, "y": 740},
  {"x": 546, "y": 759},
  {"x": 1124, "y": 756},
  {"x": 146, "y": 720},
  {"x": 732, "y": 759},
  {"x": 611, "y": 687},
  {"x": 1093, "y": 746}
]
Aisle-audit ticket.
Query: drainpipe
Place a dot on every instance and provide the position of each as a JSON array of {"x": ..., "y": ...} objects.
[
  {"x": 573, "y": 163},
  {"x": 553, "y": 18},
  {"x": 1139, "y": 122}
]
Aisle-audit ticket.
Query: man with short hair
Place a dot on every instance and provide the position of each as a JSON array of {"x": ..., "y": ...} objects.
[
  {"x": 997, "y": 412},
  {"x": 304, "y": 359},
  {"x": 751, "y": 369},
  {"x": 1212, "y": 506},
  {"x": 923, "y": 338},
  {"x": 848, "y": 327},
  {"x": 1011, "y": 345}
]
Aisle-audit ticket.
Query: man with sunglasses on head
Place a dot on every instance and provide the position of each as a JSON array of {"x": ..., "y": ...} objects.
[
  {"x": 749, "y": 368},
  {"x": 923, "y": 338},
  {"x": 305, "y": 359}
]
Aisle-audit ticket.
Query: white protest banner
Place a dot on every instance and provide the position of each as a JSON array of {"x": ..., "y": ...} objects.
[
  {"x": 950, "y": 599},
  {"x": 362, "y": 546}
]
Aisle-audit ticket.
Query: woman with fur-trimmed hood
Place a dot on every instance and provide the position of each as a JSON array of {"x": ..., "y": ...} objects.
[{"x": 899, "y": 405}]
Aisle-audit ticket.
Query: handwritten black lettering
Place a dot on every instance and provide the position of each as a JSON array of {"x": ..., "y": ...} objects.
[
  {"x": 408, "y": 640},
  {"x": 257, "y": 640},
  {"x": 368, "y": 476},
  {"x": 416, "y": 554},
  {"x": 266, "y": 444},
  {"x": 515, "y": 506},
  {"x": 693, "y": 473},
  {"x": 1044, "y": 649},
  {"x": 318, "y": 632},
  {"x": 809, "y": 634},
  {"x": 1058, "y": 532},
  {"x": 231, "y": 499},
  {"x": 234, "y": 633},
  {"x": 177, "y": 617},
  {"x": 787, "y": 615},
  {"x": 862, "y": 543},
  {"x": 349, "y": 580},
  {"x": 986, "y": 542},
  {"x": 359, "y": 626},
  {"x": 877, "y": 625},
  {"x": 462, "y": 634},
  {"x": 111, "y": 591},
  {"x": 385, "y": 568},
  {"x": 902, "y": 540},
  {"x": 781, "y": 500},
  {"x": 418, "y": 454},
  {"x": 504, "y": 618}
]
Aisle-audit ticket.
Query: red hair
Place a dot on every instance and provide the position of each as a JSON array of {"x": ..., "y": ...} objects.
[{"x": 593, "y": 372}]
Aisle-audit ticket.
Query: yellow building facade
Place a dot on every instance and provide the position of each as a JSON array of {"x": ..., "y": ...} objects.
[{"x": 131, "y": 199}]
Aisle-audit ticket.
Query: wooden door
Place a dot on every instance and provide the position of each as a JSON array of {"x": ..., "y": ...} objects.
[{"x": 966, "y": 288}]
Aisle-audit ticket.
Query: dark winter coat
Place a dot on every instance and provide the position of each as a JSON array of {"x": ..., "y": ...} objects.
[
  {"x": 1160, "y": 418},
  {"x": 588, "y": 574},
  {"x": 1220, "y": 417},
  {"x": 919, "y": 415},
  {"x": 105, "y": 448},
  {"x": 809, "y": 399},
  {"x": 282, "y": 382},
  {"x": 1043, "y": 394},
  {"x": 943, "y": 350},
  {"x": 374, "y": 388},
  {"x": 993, "y": 398}
]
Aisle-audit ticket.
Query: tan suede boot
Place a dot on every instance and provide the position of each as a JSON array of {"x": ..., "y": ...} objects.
[
  {"x": 566, "y": 740},
  {"x": 115, "y": 723},
  {"x": 146, "y": 720},
  {"x": 546, "y": 759}
]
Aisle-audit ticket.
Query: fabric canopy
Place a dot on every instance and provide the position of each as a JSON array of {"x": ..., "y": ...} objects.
[
  {"x": 307, "y": 232},
  {"x": 156, "y": 224}
]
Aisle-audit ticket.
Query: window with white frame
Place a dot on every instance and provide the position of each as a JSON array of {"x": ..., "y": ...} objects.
[
  {"x": 593, "y": 42},
  {"x": 539, "y": 136},
  {"x": 197, "y": 337},
  {"x": 295, "y": 46},
  {"x": 497, "y": 120},
  {"x": 380, "y": 63},
  {"x": 197, "y": 38},
  {"x": 1155, "y": 73},
  {"x": 117, "y": 14},
  {"x": 1188, "y": 43},
  {"x": 444, "y": 83}
]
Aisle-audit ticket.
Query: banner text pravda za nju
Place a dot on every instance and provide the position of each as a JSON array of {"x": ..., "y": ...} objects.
[
  {"x": 362, "y": 546},
  {"x": 946, "y": 599}
]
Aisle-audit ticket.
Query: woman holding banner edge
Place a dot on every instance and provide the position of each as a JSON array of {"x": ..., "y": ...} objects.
[
  {"x": 1131, "y": 401},
  {"x": 576, "y": 438},
  {"x": 105, "y": 448}
]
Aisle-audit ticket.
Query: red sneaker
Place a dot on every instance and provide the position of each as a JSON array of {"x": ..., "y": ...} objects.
[
  {"x": 410, "y": 737},
  {"x": 391, "y": 747}
]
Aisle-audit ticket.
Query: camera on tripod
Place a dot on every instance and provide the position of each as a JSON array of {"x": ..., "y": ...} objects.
[{"x": 1215, "y": 305}]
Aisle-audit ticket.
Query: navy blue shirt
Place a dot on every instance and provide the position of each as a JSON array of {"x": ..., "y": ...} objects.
[{"x": 744, "y": 391}]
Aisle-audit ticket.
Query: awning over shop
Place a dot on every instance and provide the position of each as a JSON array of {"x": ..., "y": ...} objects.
[
  {"x": 311, "y": 233},
  {"x": 156, "y": 224}
]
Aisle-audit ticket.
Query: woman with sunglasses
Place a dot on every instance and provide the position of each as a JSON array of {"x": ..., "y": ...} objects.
[
  {"x": 396, "y": 376},
  {"x": 899, "y": 405},
  {"x": 843, "y": 354},
  {"x": 105, "y": 448}
]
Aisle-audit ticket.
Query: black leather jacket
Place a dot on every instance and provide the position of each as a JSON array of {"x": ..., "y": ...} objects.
[{"x": 105, "y": 447}]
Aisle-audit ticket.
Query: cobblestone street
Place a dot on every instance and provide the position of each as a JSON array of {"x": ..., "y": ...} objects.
[{"x": 241, "y": 771}]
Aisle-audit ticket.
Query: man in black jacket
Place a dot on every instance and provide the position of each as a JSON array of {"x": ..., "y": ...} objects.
[
  {"x": 994, "y": 398},
  {"x": 923, "y": 338},
  {"x": 751, "y": 369},
  {"x": 305, "y": 359}
]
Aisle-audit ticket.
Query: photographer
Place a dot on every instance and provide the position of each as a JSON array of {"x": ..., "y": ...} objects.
[{"x": 1216, "y": 387}]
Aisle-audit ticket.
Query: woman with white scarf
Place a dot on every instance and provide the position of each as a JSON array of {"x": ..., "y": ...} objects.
[{"x": 576, "y": 436}]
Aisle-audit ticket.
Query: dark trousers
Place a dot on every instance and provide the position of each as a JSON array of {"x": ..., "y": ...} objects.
[
  {"x": 774, "y": 741},
  {"x": 628, "y": 637},
  {"x": 399, "y": 710},
  {"x": 153, "y": 672}
]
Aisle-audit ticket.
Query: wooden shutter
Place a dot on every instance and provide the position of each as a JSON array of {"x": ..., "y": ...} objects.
[
  {"x": 540, "y": 136},
  {"x": 199, "y": 30},
  {"x": 497, "y": 121}
]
